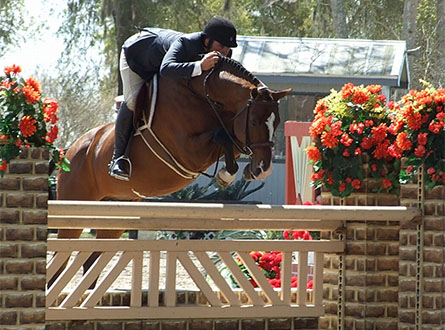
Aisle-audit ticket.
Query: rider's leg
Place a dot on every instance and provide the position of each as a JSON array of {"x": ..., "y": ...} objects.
[{"x": 120, "y": 164}]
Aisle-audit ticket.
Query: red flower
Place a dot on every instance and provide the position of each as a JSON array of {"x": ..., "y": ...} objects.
[
  {"x": 357, "y": 152},
  {"x": 431, "y": 170},
  {"x": 346, "y": 140},
  {"x": 379, "y": 133},
  {"x": 27, "y": 126},
  {"x": 356, "y": 184},
  {"x": 346, "y": 153},
  {"x": 387, "y": 183},
  {"x": 3, "y": 165},
  {"x": 366, "y": 143},
  {"x": 313, "y": 153},
  {"x": 422, "y": 138},
  {"x": 420, "y": 151},
  {"x": 381, "y": 151},
  {"x": 435, "y": 128},
  {"x": 310, "y": 285},
  {"x": 342, "y": 187},
  {"x": 395, "y": 151}
]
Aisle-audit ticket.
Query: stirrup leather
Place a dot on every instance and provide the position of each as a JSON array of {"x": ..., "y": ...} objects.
[{"x": 119, "y": 177}]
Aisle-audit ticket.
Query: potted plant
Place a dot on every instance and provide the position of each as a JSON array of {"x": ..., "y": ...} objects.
[
  {"x": 354, "y": 141},
  {"x": 421, "y": 116},
  {"x": 27, "y": 119}
]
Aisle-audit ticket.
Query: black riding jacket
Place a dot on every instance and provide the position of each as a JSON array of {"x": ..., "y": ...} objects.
[{"x": 169, "y": 52}]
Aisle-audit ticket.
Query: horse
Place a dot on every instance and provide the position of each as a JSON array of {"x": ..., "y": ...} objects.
[{"x": 225, "y": 111}]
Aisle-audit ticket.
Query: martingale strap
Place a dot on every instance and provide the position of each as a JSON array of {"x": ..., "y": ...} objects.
[{"x": 155, "y": 144}]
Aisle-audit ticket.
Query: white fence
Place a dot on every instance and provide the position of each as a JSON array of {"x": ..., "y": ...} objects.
[{"x": 220, "y": 299}]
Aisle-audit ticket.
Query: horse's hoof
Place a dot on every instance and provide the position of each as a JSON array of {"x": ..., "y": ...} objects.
[{"x": 224, "y": 178}]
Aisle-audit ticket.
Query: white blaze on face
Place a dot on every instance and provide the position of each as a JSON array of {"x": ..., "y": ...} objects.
[{"x": 269, "y": 124}]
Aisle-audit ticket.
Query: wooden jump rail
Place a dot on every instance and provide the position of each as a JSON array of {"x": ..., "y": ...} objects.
[{"x": 224, "y": 302}]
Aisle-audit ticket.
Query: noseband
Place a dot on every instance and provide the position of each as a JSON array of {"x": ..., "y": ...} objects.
[{"x": 245, "y": 149}]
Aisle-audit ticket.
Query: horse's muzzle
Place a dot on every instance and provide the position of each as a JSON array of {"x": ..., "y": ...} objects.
[{"x": 259, "y": 174}]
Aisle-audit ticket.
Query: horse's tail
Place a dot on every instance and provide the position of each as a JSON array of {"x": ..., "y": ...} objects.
[{"x": 141, "y": 102}]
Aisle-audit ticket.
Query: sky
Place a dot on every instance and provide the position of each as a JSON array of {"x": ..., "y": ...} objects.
[{"x": 38, "y": 50}]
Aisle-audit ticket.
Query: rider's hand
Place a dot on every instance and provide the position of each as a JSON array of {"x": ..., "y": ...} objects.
[{"x": 209, "y": 61}]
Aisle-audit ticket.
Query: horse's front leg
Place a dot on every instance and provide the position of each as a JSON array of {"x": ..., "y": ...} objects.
[{"x": 227, "y": 174}]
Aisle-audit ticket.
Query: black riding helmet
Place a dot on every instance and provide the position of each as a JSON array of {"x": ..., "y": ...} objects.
[{"x": 221, "y": 30}]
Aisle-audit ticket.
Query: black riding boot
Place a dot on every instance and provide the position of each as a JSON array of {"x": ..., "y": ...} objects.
[{"x": 120, "y": 166}]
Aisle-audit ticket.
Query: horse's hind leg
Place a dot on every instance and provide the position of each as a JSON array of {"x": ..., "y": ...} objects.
[
  {"x": 64, "y": 233},
  {"x": 100, "y": 234}
]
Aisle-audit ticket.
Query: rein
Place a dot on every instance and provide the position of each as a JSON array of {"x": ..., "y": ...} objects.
[{"x": 247, "y": 147}]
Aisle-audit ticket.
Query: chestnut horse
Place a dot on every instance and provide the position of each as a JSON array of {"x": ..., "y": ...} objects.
[{"x": 188, "y": 113}]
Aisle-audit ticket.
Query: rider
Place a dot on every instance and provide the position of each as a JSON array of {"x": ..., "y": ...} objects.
[{"x": 172, "y": 54}]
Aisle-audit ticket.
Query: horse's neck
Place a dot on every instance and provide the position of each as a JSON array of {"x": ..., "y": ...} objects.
[{"x": 229, "y": 90}]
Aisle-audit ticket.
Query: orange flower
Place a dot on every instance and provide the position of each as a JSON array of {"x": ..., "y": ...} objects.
[
  {"x": 329, "y": 140},
  {"x": 50, "y": 108},
  {"x": 403, "y": 142},
  {"x": 27, "y": 126},
  {"x": 318, "y": 126},
  {"x": 15, "y": 69},
  {"x": 52, "y": 134},
  {"x": 313, "y": 153},
  {"x": 34, "y": 84},
  {"x": 360, "y": 97},
  {"x": 347, "y": 90},
  {"x": 31, "y": 94},
  {"x": 375, "y": 89},
  {"x": 414, "y": 121}
]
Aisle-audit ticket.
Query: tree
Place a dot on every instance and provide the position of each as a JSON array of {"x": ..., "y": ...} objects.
[
  {"x": 339, "y": 16},
  {"x": 11, "y": 21}
]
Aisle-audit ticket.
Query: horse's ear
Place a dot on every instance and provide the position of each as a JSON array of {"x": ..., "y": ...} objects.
[
  {"x": 278, "y": 95},
  {"x": 254, "y": 93}
]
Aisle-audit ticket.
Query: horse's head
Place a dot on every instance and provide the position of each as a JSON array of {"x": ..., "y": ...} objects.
[{"x": 254, "y": 128}]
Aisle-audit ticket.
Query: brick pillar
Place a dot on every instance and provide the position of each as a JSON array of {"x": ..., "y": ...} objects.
[
  {"x": 23, "y": 231},
  {"x": 422, "y": 261},
  {"x": 361, "y": 286}
]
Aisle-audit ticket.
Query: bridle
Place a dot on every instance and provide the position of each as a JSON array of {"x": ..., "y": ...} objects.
[{"x": 247, "y": 147}]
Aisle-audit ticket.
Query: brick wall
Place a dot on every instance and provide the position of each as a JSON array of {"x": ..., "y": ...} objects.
[
  {"x": 425, "y": 242},
  {"x": 23, "y": 231},
  {"x": 361, "y": 285}
]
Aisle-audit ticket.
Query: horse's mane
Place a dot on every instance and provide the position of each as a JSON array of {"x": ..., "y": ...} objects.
[{"x": 239, "y": 67}]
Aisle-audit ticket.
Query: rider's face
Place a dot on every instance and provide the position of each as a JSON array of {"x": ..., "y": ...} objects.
[{"x": 218, "y": 47}]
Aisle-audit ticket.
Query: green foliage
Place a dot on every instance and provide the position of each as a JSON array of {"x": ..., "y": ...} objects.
[{"x": 11, "y": 21}]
